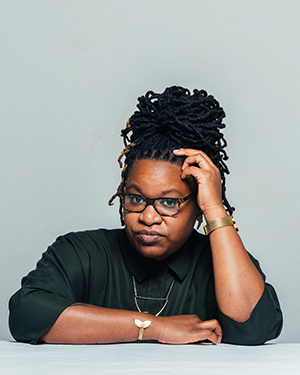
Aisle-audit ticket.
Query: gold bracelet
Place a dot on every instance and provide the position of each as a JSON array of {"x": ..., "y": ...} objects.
[
  {"x": 142, "y": 326},
  {"x": 219, "y": 223}
]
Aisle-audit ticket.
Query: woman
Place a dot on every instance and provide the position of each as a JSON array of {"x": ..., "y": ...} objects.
[{"x": 157, "y": 279}]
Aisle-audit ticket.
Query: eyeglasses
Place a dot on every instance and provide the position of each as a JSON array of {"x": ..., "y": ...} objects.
[{"x": 163, "y": 206}]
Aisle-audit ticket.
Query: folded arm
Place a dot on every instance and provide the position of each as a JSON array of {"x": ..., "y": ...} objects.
[{"x": 88, "y": 324}]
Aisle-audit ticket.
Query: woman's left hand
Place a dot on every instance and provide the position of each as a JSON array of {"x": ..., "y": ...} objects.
[
  {"x": 206, "y": 175},
  {"x": 238, "y": 284}
]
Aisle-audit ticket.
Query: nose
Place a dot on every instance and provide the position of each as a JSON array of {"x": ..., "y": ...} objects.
[{"x": 149, "y": 216}]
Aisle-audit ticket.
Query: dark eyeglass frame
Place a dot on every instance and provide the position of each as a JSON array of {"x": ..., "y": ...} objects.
[{"x": 152, "y": 202}]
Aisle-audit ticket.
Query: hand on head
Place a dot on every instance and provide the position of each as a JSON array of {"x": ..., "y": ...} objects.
[{"x": 198, "y": 165}]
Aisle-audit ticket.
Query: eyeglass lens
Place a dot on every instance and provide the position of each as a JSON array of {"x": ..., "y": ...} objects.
[{"x": 165, "y": 206}]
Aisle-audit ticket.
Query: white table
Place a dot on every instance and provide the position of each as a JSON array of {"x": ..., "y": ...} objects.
[{"x": 154, "y": 359}]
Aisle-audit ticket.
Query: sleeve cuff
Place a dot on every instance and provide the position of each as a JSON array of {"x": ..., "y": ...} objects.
[{"x": 264, "y": 323}]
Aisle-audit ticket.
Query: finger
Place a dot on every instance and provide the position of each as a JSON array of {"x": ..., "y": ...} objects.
[
  {"x": 219, "y": 333},
  {"x": 208, "y": 335},
  {"x": 196, "y": 172},
  {"x": 189, "y": 152},
  {"x": 202, "y": 176},
  {"x": 197, "y": 159},
  {"x": 198, "y": 154},
  {"x": 214, "y": 326}
]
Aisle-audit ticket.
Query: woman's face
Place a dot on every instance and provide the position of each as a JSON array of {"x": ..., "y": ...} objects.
[{"x": 152, "y": 235}]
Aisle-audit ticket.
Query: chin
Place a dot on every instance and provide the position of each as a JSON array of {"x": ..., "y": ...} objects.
[{"x": 153, "y": 252}]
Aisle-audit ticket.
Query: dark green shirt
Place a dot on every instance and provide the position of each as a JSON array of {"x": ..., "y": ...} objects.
[{"x": 96, "y": 267}]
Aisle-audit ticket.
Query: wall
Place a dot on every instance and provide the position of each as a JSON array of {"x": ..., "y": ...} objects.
[{"x": 70, "y": 73}]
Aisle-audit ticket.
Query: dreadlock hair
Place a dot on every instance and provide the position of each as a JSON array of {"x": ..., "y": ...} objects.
[{"x": 172, "y": 120}]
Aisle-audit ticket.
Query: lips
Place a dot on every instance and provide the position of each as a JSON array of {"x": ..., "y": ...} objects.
[{"x": 149, "y": 236}]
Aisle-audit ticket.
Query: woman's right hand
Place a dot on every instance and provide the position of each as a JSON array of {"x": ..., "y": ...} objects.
[{"x": 185, "y": 329}]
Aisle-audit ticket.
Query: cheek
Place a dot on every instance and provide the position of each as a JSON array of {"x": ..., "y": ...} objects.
[
  {"x": 183, "y": 226},
  {"x": 192, "y": 212},
  {"x": 130, "y": 221},
  {"x": 127, "y": 220}
]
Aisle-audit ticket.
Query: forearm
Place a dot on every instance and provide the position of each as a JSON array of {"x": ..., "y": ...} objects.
[
  {"x": 88, "y": 324},
  {"x": 238, "y": 284}
]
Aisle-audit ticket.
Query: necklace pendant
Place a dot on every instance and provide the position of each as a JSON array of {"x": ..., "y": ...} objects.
[{"x": 166, "y": 299}]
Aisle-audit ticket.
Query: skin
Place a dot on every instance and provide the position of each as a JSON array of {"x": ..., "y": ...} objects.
[
  {"x": 238, "y": 284},
  {"x": 156, "y": 236}
]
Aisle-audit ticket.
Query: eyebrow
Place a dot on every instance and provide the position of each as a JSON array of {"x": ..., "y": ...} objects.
[{"x": 165, "y": 192}]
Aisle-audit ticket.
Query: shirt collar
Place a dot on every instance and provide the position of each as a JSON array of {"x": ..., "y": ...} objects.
[{"x": 179, "y": 262}]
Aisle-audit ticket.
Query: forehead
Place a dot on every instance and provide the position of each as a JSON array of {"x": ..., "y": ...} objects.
[{"x": 154, "y": 178}]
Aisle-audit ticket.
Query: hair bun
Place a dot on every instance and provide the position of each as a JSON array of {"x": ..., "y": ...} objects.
[{"x": 175, "y": 119}]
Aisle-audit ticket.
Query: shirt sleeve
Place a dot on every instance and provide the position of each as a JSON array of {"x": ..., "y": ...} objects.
[
  {"x": 264, "y": 323},
  {"x": 56, "y": 283}
]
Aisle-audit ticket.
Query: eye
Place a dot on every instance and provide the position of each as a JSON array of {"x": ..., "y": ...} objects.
[
  {"x": 169, "y": 202},
  {"x": 136, "y": 199}
]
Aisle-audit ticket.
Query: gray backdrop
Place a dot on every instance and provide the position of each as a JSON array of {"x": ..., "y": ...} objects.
[{"x": 70, "y": 73}]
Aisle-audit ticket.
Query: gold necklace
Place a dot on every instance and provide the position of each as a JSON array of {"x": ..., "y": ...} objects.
[{"x": 166, "y": 299}]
